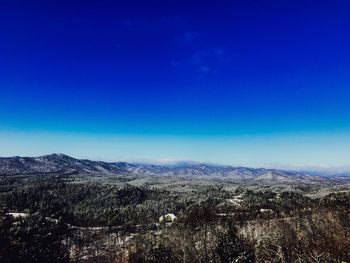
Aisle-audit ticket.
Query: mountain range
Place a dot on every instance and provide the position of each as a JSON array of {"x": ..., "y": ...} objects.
[{"x": 64, "y": 164}]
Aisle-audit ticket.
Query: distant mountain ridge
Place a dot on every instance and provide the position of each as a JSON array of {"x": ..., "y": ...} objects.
[
  {"x": 60, "y": 163},
  {"x": 53, "y": 163}
]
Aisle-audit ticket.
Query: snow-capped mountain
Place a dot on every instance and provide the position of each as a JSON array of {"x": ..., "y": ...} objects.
[
  {"x": 60, "y": 163},
  {"x": 54, "y": 163}
]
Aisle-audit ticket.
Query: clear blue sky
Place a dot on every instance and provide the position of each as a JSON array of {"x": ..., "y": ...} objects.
[{"x": 238, "y": 82}]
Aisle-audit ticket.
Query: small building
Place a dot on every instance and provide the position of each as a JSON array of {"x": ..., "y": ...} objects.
[
  {"x": 18, "y": 215},
  {"x": 264, "y": 210},
  {"x": 168, "y": 218}
]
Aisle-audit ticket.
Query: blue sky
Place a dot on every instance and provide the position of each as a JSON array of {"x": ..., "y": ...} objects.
[{"x": 238, "y": 82}]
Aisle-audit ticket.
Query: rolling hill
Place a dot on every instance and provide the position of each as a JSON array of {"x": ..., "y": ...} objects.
[{"x": 63, "y": 164}]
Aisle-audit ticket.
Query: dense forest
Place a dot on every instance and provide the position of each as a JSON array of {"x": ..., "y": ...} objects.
[{"x": 65, "y": 220}]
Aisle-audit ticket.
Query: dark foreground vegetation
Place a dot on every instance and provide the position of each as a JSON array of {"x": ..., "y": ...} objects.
[{"x": 72, "y": 221}]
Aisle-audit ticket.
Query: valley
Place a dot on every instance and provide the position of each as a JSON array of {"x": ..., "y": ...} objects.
[{"x": 111, "y": 212}]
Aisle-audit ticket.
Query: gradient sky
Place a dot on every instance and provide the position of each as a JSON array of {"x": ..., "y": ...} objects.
[{"x": 254, "y": 83}]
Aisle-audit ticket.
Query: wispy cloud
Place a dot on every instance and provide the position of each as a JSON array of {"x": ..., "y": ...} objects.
[
  {"x": 128, "y": 23},
  {"x": 203, "y": 62},
  {"x": 209, "y": 60},
  {"x": 187, "y": 37},
  {"x": 209, "y": 56},
  {"x": 174, "y": 21},
  {"x": 204, "y": 69}
]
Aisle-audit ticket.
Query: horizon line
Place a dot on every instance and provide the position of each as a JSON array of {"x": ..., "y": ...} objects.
[{"x": 169, "y": 162}]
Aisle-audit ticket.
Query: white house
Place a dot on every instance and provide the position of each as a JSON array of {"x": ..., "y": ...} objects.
[
  {"x": 18, "y": 215},
  {"x": 167, "y": 218}
]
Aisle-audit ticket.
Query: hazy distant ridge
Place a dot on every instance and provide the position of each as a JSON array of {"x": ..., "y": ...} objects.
[{"x": 60, "y": 163}]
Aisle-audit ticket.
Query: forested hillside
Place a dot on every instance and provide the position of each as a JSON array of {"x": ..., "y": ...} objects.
[{"x": 68, "y": 220}]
